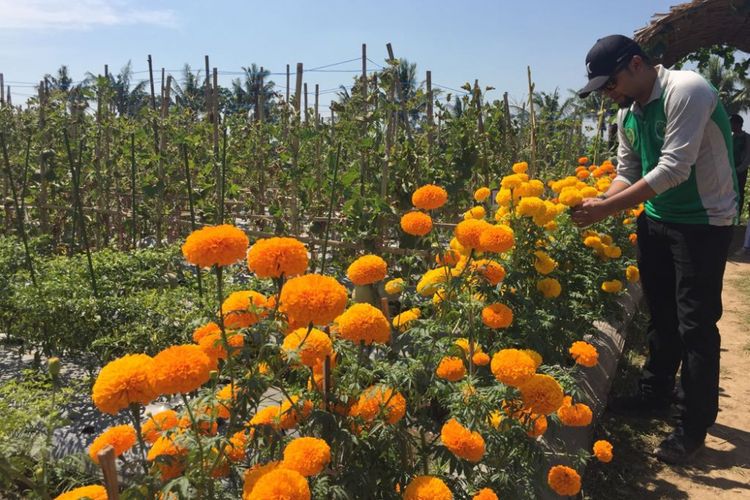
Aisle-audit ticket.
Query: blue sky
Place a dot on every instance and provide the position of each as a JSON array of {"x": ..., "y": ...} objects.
[{"x": 493, "y": 41}]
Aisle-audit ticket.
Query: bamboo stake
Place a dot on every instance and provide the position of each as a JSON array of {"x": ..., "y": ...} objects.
[
  {"x": 109, "y": 470},
  {"x": 532, "y": 123},
  {"x": 430, "y": 117},
  {"x": 335, "y": 168},
  {"x": 306, "y": 107},
  {"x": 160, "y": 174},
  {"x": 295, "y": 151},
  {"x": 217, "y": 165},
  {"x": 317, "y": 99},
  {"x": 43, "y": 183},
  {"x": 153, "y": 102},
  {"x": 287, "y": 83},
  {"x": 193, "y": 227},
  {"x": 2, "y": 87},
  {"x": 133, "y": 203}
]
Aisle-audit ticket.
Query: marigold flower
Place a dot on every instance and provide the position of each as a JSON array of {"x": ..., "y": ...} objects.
[
  {"x": 235, "y": 449},
  {"x": 570, "y": 196},
  {"x": 574, "y": 415},
  {"x": 242, "y": 309},
  {"x": 213, "y": 345},
  {"x": 492, "y": 271},
  {"x": 497, "y": 238},
  {"x": 632, "y": 274},
  {"x": 429, "y": 197},
  {"x": 481, "y": 194},
  {"x": 427, "y": 488},
  {"x": 416, "y": 223},
  {"x": 542, "y": 394},
  {"x": 543, "y": 263},
  {"x": 583, "y": 160},
  {"x": 173, "y": 455},
  {"x": 313, "y": 298},
  {"x": 549, "y": 287},
  {"x": 120, "y": 437},
  {"x": 603, "y": 451},
  {"x": 613, "y": 251},
  {"x": 477, "y": 212},
  {"x": 215, "y": 246},
  {"x": 307, "y": 455},
  {"x": 375, "y": 399},
  {"x": 124, "y": 381},
  {"x": 564, "y": 481},
  {"x": 589, "y": 192},
  {"x": 207, "y": 329},
  {"x": 530, "y": 206},
  {"x": 283, "y": 416},
  {"x": 593, "y": 242},
  {"x": 512, "y": 367},
  {"x": 158, "y": 423},
  {"x": 253, "y": 474},
  {"x": 481, "y": 358},
  {"x": 366, "y": 270},
  {"x": 520, "y": 167},
  {"x": 274, "y": 257},
  {"x": 462, "y": 442},
  {"x": 584, "y": 353},
  {"x": 504, "y": 197},
  {"x": 535, "y": 356},
  {"x": 612, "y": 286},
  {"x": 463, "y": 343},
  {"x": 313, "y": 345},
  {"x": 280, "y": 484},
  {"x": 180, "y": 369},
  {"x": 432, "y": 280},
  {"x": 451, "y": 369},
  {"x": 468, "y": 232},
  {"x": 633, "y": 238},
  {"x": 364, "y": 323},
  {"x": 511, "y": 181},
  {"x": 401, "y": 321},
  {"x": 395, "y": 286},
  {"x": 485, "y": 494},
  {"x": 93, "y": 492},
  {"x": 497, "y": 316},
  {"x": 225, "y": 399}
]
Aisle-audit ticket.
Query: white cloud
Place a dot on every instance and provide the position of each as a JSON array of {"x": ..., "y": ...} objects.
[{"x": 77, "y": 14}]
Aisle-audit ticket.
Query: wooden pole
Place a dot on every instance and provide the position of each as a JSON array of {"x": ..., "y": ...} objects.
[
  {"x": 207, "y": 91},
  {"x": 364, "y": 76},
  {"x": 287, "y": 83},
  {"x": 43, "y": 182},
  {"x": 109, "y": 470},
  {"x": 261, "y": 97},
  {"x": 306, "y": 107},
  {"x": 193, "y": 226},
  {"x": 532, "y": 124},
  {"x": 295, "y": 152},
  {"x": 153, "y": 103},
  {"x": 133, "y": 202},
  {"x": 217, "y": 164},
  {"x": 160, "y": 174},
  {"x": 2, "y": 87},
  {"x": 317, "y": 97}
]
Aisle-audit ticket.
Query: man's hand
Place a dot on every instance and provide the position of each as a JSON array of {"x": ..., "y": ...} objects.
[{"x": 591, "y": 211}]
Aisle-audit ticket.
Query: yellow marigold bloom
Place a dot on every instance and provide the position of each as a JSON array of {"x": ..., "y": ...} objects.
[
  {"x": 632, "y": 274},
  {"x": 401, "y": 321},
  {"x": 253, "y": 474},
  {"x": 207, "y": 329},
  {"x": 543, "y": 263},
  {"x": 395, "y": 286},
  {"x": 463, "y": 343},
  {"x": 497, "y": 238},
  {"x": 612, "y": 286},
  {"x": 564, "y": 481},
  {"x": 570, "y": 196},
  {"x": 280, "y": 484},
  {"x": 462, "y": 442},
  {"x": 313, "y": 298},
  {"x": 427, "y": 488},
  {"x": 274, "y": 257},
  {"x": 124, "y": 381},
  {"x": 180, "y": 369},
  {"x": 429, "y": 197},
  {"x": 307, "y": 455},
  {"x": 530, "y": 206},
  {"x": 497, "y": 316},
  {"x": 451, "y": 369},
  {"x": 613, "y": 252},
  {"x": 574, "y": 415},
  {"x": 458, "y": 247},
  {"x": 366, "y": 270},
  {"x": 241, "y": 309},
  {"x": 364, "y": 323},
  {"x": 542, "y": 394},
  {"x": 215, "y": 245},
  {"x": 92, "y": 492},
  {"x": 503, "y": 197},
  {"x": 432, "y": 280},
  {"x": 549, "y": 287},
  {"x": 173, "y": 455},
  {"x": 416, "y": 223},
  {"x": 468, "y": 232},
  {"x": 120, "y": 437},
  {"x": 485, "y": 494},
  {"x": 520, "y": 167},
  {"x": 550, "y": 226},
  {"x": 375, "y": 400},
  {"x": 512, "y": 367},
  {"x": 593, "y": 242},
  {"x": 589, "y": 192},
  {"x": 481, "y": 194},
  {"x": 584, "y": 353},
  {"x": 158, "y": 423},
  {"x": 603, "y": 451},
  {"x": 312, "y": 346}
]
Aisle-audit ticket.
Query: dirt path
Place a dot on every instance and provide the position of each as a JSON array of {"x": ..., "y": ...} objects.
[{"x": 722, "y": 470}]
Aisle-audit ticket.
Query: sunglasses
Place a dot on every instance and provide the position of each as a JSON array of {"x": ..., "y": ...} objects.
[{"x": 611, "y": 84}]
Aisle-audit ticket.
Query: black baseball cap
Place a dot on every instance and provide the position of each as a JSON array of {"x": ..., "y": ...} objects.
[{"x": 606, "y": 57}]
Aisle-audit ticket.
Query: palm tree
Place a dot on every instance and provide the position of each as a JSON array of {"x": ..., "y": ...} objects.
[
  {"x": 733, "y": 90},
  {"x": 256, "y": 83},
  {"x": 191, "y": 93},
  {"x": 62, "y": 81}
]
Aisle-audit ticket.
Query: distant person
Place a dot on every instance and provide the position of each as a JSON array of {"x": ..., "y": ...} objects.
[
  {"x": 741, "y": 154},
  {"x": 674, "y": 155}
]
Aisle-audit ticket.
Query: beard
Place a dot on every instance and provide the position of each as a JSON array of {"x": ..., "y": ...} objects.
[{"x": 625, "y": 102}]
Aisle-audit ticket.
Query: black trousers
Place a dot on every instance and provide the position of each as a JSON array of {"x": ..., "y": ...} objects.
[{"x": 682, "y": 271}]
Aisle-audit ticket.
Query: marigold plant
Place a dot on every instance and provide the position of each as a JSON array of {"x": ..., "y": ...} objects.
[
  {"x": 274, "y": 257},
  {"x": 429, "y": 197},
  {"x": 124, "y": 381},
  {"x": 367, "y": 269},
  {"x": 215, "y": 246}
]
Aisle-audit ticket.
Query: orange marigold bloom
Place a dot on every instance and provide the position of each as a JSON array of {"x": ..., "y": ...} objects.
[
  {"x": 462, "y": 442},
  {"x": 481, "y": 194},
  {"x": 481, "y": 358},
  {"x": 280, "y": 484},
  {"x": 313, "y": 298},
  {"x": 542, "y": 394},
  {"x": 213, "y": 345},
  {"x": 366, "y": 270},
  {"x": 124, "y": 381},
  {"x": 427, "y": 488},
  {"x": 254, "y": 473},
  {"x": 564, "y": 481},
  {"x": 520, "y": 167},
  {"x": 225, "y": 400},
  {"x": 485, "y": 494},
  {"x": 512, "y": 367},
  {"x": 492, "y": 271},
  {"x": 364, "y": 323},
  {"x": 451, "y": 369},
  {"x": 158, "y": 423},
  {"x": 549, "y": 287},
  {"x": 180, "y": 368},
  {"x": 207, "y": 329},
  {"x": 583, "y": 160},
  {"x": 497, "y": 316},
  {"x": 497, "y": 238},
  {"x": 244, "y": 308},
  {"x": 603, "y": 451},
  {"x": 535, "y": 356},
  {"x": 172, "y": 462},
  {"x": 215, "y": 246},
  {"x": 632, "y": 274},
  {"x": 633, "y": 238},
  {"x": 274, "y": 257},
  {"x": 416, "y": 223},
  {"x": 448, "y": 258},
  {"x": 429, "y": 197},
  {"x": 283, "y": 416},
  {"x": 584, "y": 353},
  {"x": 93, "y": 492},
  {"x": 468, "y": 232},
  {"x": 313, "y": 346},
  {"x": 574, "y": 415},
  {"x": 121, "y": 437},
  {"x": 307, "y": 455},
  {"x": 235, "y": 449},
  {"x": 375, "y": 399}
]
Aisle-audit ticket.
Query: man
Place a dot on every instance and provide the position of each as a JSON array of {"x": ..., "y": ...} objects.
[
  {"x": 674, "y": 154},
  {"x": 741, "y": 154}
]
